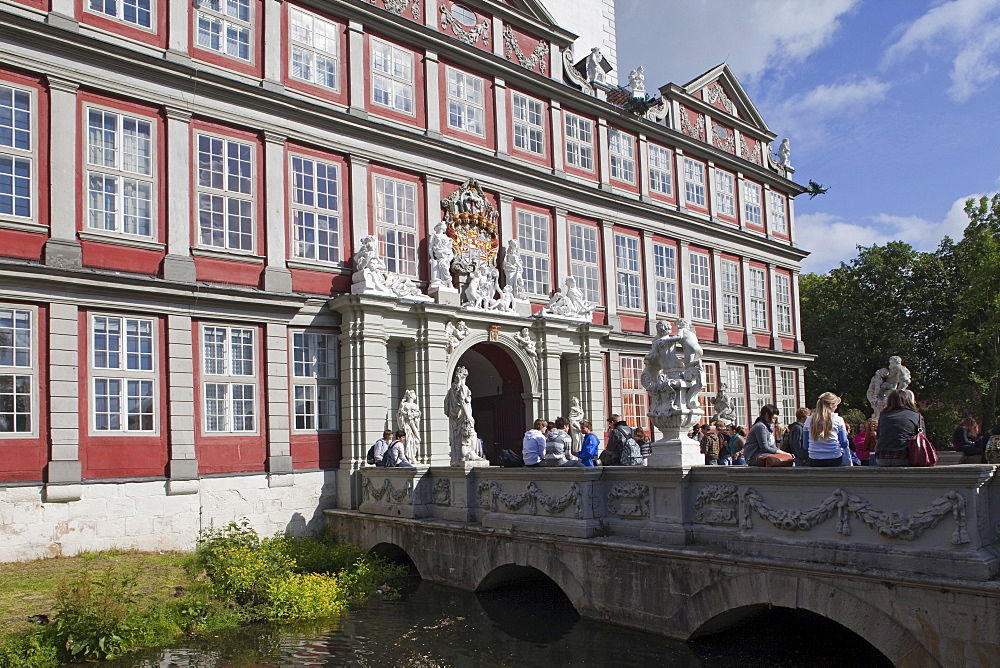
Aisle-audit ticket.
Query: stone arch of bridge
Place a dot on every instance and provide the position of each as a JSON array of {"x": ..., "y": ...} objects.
[
  {"x": 729, "y": 600},
  {"x": 492, "y": 568}
]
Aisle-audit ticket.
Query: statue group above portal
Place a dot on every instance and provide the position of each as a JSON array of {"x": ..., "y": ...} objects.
[
  {"x": 570, "y": 302},
  {"x": 371, "y": 275}
]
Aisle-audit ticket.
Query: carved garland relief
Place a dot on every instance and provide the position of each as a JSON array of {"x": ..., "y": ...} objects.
[
  {"x": 694, "y": 129},
  {"x": 714, "y": 94},
  {"x": 747, "y": 154},
  {"x": 492, "y": 496},
  {"x": 399, "y": 6},
  {"x": 723, "y": 137},
  {"x": 388, "y": 491},
  {"x": 717, "y": 504},
  {"x": 513, "y": 48},
  {"x": 468, "y": 35},
  {"x": 629, "y": 500}
]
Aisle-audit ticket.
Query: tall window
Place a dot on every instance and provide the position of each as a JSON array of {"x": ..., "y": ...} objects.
[
  {"x": 124, "y": 374},
  {"x": 701, "y": 287},
  {"x": 628, "y": 271},
  {"x": 634, "y": 410},
  {"x": 621, "y": 147},
  {"x": 706, "y": 398},
  {"x": 787, "y": 394},
  {"x": 529, "y": 127},
  {"x": 583, "y": 260},
  {"x": 783, "y": 303},
  {"x": 665, "y": 272},
  {"x": 466, "y": 103},
  {"x": 776, "y": 212},
  {"x": 758, "y": 298},
  {"x": 314, "y": 46},
  {"x": 120, "y": 181},
  {"x": 725, "y": 203},
  {"x": 762, "y": 376},
  {"x": 225, "y": 26},
  {"x": 225, "y": 193},
  {"x": 660, "y": 174},
  {"x": 392, "y": 77},
  {"x": 731, "y": 292},
  {"x": 315, "y": 370},
  {"x": 579, "y": 142},
  {"x": 396, "y": 224},
  {"x": 315, "y": 210},
  {"x": 134, "y": 12},
  {"x": 738, "y": 393},
  {"x": 17, "y": 152},
  {"x": 694, "y": 182},
  {"x": 18, "y": 371},
  {"x": 533, "y": 240},
  {"x": 751, "y": 203},
  {"x": 229, "y": 373}
]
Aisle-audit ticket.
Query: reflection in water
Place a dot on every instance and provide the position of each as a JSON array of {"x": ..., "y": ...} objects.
[{"x": 526, "y": 626}]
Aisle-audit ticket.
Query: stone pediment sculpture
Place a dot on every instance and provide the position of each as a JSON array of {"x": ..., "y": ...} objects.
[
  {"x": 371, "y": 276},
  {"x": 408, "y": 421},
  {"x": 673, "y": 375},
  {"x": 894, "y": 377},
  {"x": 462, "y": 435},
  {"x": 456, "y": 333},
  {"x": 442, "y": 253},
  {"x": 525, "y": 339},
  {"x": 575, "y": 432},
  {"x": 570, "y": 302},
  {"x": 724, "y": 409},
  {"x": 637, "y": 81},
  {"x": 784, "y": 153}
]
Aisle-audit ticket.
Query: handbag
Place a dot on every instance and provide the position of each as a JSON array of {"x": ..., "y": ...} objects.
[
  {"x": 779, "y": 458},
  {"x": 920, "y": 449},
  {"x": 605, "y": 457}
]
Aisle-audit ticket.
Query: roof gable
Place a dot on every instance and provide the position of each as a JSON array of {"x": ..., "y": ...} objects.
[
  {"x": 720, "y": 88},
  {"x": 532, "y": 8}
]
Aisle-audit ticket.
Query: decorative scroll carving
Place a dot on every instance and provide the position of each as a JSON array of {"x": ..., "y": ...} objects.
[
  {"x": 573, "y": 76},
  {"x": 752, "y": 156},
  {"x": 399, "y": 6},
  {"x": 714, "y": 93},
  {"x": 470, "y": 36},
  {"x": 388, "y": 491},
  {"x": 717, "y": 504},
  {"x": 441, "y": 492},
  {"x": 695, "y": 129},
  {"x": 723, "y": 137},
  {"x": 889, "y": 524},
  {"x": 629, "y": 499},
  {"x": 512, "y": 48},
  {"x": 491, "y": 496}
]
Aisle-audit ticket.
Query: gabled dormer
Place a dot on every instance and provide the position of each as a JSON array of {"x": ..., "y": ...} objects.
[{"x": 720, "y": 88}]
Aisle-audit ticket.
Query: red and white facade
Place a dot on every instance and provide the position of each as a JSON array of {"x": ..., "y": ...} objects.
[{"x": 182, "y": 187}]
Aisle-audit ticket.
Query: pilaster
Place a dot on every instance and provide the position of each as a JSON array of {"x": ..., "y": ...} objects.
[
  {"x": 432, "y": 382},
  {"x": 279, "y": 454},
  {"x": 179, "y": 22},
  {"x": 765, "y": 210},
  {"x": 500, "y": 116},
  {"x": 800, "y": 346},
  {"x": 684, "y": 279},
  {"x": 772, "y": 309},
  {"x": 718, "y": 308},
  {"x": 713, "y": 212},
  {"x": 642, "y": 166},
  {"x": 64, "y": 467},
  {"x": 603, "y": 156},
  {"x": 649, "y": 276},
  {"x": 791, "y": 219},
  {"x": 508, "y": 226},
  {"x": 62, "y": 249},
  {"x": 180, "y": 394},
  {"x": 610, "y": 280},
  {"x": 745, "y": 295},
  {"x": 679, "y": 172},
  {"x": 356, "y": 68},
  {"x": 558, "y": 140},
  {"x": 277, "y": 277},
  {"x": 550, "y": 373},
  {"x": 497, "y": 36},
  {"x": 359, "y": 200},
  {"x": 560, "y": 246},
  {"x": 273, "y": 51},
  {"x": 178, "y": 265},
  {"x": 432, "y": 91}
]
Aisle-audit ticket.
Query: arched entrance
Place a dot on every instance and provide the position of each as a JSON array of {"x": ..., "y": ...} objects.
[{"x": 497, "y": 387}]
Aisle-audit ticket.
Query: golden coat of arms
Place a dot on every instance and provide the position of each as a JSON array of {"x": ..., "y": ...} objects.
[{"x": 472, "y": 226}]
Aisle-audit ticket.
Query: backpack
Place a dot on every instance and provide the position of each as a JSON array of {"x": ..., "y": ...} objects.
[
  {"x": 510, "y": 459},
  {"x": 370, "y": 457},
  {"x": 786, "y": 441},
  {"x": 385, "y": 456},
  {"x": 629, "y": 454}
]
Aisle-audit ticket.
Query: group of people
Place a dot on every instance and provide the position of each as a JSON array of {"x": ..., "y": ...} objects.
[
  {"x": 390, "y": 450},
  {"x": 550, "y": 444}
]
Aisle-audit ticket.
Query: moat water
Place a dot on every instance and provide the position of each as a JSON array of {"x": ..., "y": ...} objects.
[{"x": 528, "y": 625}]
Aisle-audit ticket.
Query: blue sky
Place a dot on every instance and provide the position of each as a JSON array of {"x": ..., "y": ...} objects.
[{"x": 893, "y": 104}]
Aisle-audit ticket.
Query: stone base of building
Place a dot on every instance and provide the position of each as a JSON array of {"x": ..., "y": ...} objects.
[{"x": 155, "y": 514}]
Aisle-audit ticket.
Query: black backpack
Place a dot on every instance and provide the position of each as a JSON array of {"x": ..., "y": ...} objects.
[
  {"x": 385, "y": 456},
  {"x": 370, "y": 458},
  {"x": 510, "y": 459}
]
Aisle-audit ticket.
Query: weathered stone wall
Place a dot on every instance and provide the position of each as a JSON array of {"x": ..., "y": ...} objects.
[{"x": 151, "y": 515}]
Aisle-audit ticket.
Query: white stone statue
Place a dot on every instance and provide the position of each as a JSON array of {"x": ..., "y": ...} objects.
[
  {"x": 875, "y": 396},
  {"x": 408, "y": 421},
  {"x": 784, "y": 151},
  {"x": 569, "y": 301},
  {"x": 506, "y": 302},
  {"x": 370, "y": 274},
  {"x": 885, "y": 380},
  {"x": 637, "y": 82},
  {"x": 456, "y": 333},
  {"x": 673, "y": 371},
  {"x": 462, "y": 435},
  {"x": 526, "y": 341},
  {"x": 481, "y": 289},
  {"x": 724, "y": 409},
  {"x": 595, "y": 72},
  {"x": 513, "y": 269},
  {"x": 442, "y": 252},
  {"x": 575, "y": 417}
]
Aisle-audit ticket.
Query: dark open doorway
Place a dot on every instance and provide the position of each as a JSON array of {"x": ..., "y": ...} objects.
[{"x": 497, "y": 402}]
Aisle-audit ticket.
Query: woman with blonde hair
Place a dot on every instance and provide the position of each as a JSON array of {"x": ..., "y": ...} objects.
[{"x": 825, "y": 434}]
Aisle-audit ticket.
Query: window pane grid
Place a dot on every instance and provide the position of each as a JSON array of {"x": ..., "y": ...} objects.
[
  {"x": 725, "y": 202},
  {"x": 737, "y": 393},
  {"x": 776, "y": 212},
  {"x": 229, "y": 352},
  {"x": 224, "y": 26},
  {"x": 583, "y": 260},
  {"x": 15, "y": 337},
  {"x": 621, "y": 147},
  {"x": 395, "y": 224},
  {"x": 665, "y": 272},
  {"x": 579, "y": 142},
  {"x": 629, "y": 278},
  {"x": 120, "y": 173},
  {"x": 315, "y": 210},
  {"x": 529, "y": 131},
  {"x": 225, "y": 193},
  {"x": 701, "y": 287},
  {"x": 694, "y": 182},
  {"x": 15, "y": 404},
  {"x": 316, "y": 405},
  {"x": 731, "y": 293},
  {"x": 314, "y": 46},
  {"x": 16, "y": 152},
  {"x": 660, "y": 179},
  {"x": 783, "y": 303},
  {"x": 762, "y": 376},
  {"x": 634, "y": 397},
  {"x": 751, "y": 203},
  {"x": 466, "y": 106},
  {"x": 758, "y": 298},
  {"x": 392, "y": 77},
  {"x": 136, "y": 12},
  {"x": 533, "y": 241},
  {"x": 706, "y": 398}
]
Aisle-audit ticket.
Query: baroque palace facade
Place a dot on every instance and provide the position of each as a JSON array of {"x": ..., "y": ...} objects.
[{"x": 185, "y": 189}]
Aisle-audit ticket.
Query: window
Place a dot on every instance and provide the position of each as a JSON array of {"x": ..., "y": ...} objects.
[
  {"x": 225, "y": 193},
  {"x": 17, "y": 152},
  {"x": 533, "y": 240},
  {"x": 529, "y": 128},
  {"x": 396, "y": 225},
  {"x": 731, "y": 292},
  {"x": 225, "y": 26},
  {"x": 466, "y": 105},
  {"x": 314, "y": 44},
  {"x": 315, "y": 367},
  {"x": 17, "y": 371},
  {"x": 751, "y": 203},
  {"x": 783, "y": 302},
  {"x": 706, "y": 398},
  {"x": 463, "y": 15},
  {"x": 622, "y": 149},
  {"x": 787, "y": 392},
  {"x": 120, "y": 181},
  {"x": 762, "y": 376},
  {"x": 136, "y": 12},
  {"x": 701, "y": 287},
  {"x": 737, "y": 393},
  {"x": 123, "y": 373},
  {"x": 229, "y": 371},
  {"x": 725, "y": 203},
  {"x": 634, "y": 410},
  {"x": 665, "y": 272},
  {"x": 758, "y": 298},
  {"x": 392, "y": 77},
  {"x": 776, "y": 212},
  {"x": 583, "y": 260},
  {"x": 629, "y": 277},
  {"x": 315, "y": 210},
  {"x": 694, "y": 182},
  {"x": 660, "y": 179},
  {"x": 579, "y": 142}
]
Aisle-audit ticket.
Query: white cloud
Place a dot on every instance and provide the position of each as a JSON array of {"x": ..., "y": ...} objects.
[
  {"x": 965, "y": 31},
  {"x": 806, "y": 116}
]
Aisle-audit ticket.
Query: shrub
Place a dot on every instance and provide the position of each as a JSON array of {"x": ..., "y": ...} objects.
[
  {"x": 30, "y": 649},
  {"x": 306, "y": 596}
]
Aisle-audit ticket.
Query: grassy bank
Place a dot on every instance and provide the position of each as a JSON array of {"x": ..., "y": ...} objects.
[{"x": 106, "y": 604}]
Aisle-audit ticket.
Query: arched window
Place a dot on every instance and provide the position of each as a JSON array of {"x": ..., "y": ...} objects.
[{"x": 463, "y": 15}]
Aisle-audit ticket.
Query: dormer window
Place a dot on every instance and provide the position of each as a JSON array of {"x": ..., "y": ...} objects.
[{"x": 463, "y": 15}]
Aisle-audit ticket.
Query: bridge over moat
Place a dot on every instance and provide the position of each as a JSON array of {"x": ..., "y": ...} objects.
[{"x": 907, "y": 558}]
